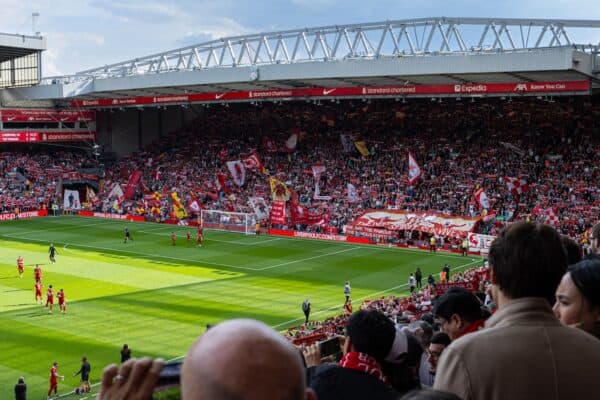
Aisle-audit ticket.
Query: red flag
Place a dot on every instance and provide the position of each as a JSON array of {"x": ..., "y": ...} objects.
[
  {"x": 269, "y": 145},
  {"x": 291, "y": 143},
  {"x": 516, "y": 185},
  {"x": 414, "y": 171},
  {"x": 238, "y": 172},
  {"x": 222, "y": 185},
  {"x": 253, "y": 162}
]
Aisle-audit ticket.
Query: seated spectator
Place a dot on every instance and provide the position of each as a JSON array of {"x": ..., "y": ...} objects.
[
  {"x": 233, "y": 360},
  {"x": 459, "y": 312},
  {"x": 438, "y": 343},
  {"x": 524, "y": 352},
  {"x": 371, "y": 339},
  {"x": 578, "y": 296}
]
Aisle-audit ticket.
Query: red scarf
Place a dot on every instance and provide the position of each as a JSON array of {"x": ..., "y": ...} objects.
[
  {"x": 364, "y": 363},
  {"x": 474, "y": 327}
]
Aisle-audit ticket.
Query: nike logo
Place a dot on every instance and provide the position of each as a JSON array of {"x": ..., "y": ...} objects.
[
  {"x": 219, "y": 95},
  {"x": 11, "y": 118},
  {"x": 327, "y": 91}
]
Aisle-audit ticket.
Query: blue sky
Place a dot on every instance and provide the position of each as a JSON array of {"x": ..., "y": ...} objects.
[{"x": 84, "y": 34}]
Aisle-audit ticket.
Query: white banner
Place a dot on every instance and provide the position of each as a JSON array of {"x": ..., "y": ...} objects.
[
  {"x": 71, "y": 200},
  {"x": 480, "y": 242},
  {"x": 260, "y": 207},
  {"x": 237, "y": 171},
  {"x": 116, "y": 191}
]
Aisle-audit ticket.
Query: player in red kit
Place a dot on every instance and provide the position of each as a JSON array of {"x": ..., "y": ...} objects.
[
  {"x": 20, "y": 266},
  {"x": 37, "y": 273},
  {"x": 38, "y": 292},
  {"x": 54, "y": 379},
  {"x": 173, "y": 238},
  {"x": 62, "y": 305},
  {"x": 50, "y": 299},
  {"x": 200, "y": 235}
]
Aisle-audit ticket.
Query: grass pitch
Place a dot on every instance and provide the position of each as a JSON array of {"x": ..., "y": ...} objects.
[{"x": 158, "y": 298}]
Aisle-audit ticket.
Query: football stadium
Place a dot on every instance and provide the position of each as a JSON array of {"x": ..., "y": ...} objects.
[{"x": 379, "y": 210}]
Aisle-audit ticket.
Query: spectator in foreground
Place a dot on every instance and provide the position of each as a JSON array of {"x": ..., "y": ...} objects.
[
  {"x": 371, "y": 339},
  {"x": 438, "y": 344},
  {"x": 429, "y": 394},
  {"x": 578, "y": 296},
  {"x": 524, "y": 352},
  {"x": 237, "y": 359},
  {"x": 459, "y": 312},
  {"x": 21, "y": 389}
]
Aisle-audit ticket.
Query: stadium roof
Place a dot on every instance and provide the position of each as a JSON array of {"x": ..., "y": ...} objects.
[
  {"x": 426, "y": 51},
  {"x": 15, "y": 46}
]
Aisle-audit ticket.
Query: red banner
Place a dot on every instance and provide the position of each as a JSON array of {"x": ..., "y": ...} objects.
[
  {"x": 442, "y": 288},
  {"x": 278, "y": 212},
  {"x": 33, "y": 136},
  {"x": 38, "y": 115},
  {"x": 134, "y": 179},
  {"x": 21, "y": 215},
  {"x": 408, "y": 90}
]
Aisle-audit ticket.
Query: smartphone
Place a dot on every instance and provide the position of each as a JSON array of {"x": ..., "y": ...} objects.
[
  {"x": 330, "y": 347},
  {"x": 168, "y": 379}
]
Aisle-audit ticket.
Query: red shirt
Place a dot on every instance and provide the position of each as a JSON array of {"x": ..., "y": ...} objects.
[
  {"x": 38, "y": 274},
  {"x": 199, "y": 231},
  {"x": 50, "y": 293},
  {"x": 173, "y": 237},
  {"x": 20, "y": 262},
  {"x": 61, "y": 297},
  {"x": 53, "y": 374},
  {"x": 38, "y": 287}
]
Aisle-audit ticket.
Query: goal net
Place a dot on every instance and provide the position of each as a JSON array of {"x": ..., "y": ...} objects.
[{"x": 228, "y": 221}]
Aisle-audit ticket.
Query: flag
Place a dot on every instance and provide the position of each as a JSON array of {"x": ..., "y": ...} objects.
[
  {"x": 317, "y": 171},
  {"x": 361, "y": 146},
  {"x": 178, "y": 208},
  {"x": 259, "y": 205},
  {"x": 352, "y": 194},
  {"x": 516, "y": 185},
  {"x": 482, "y": 199},
  {"x": 253, "y": 162},
  {"x": 512, "y": 147},
  {"x": 238, "y": 172},
  {"x": 223, "y": 154},
  {"x": 269, "y": 145},
  {"x": 347, "y": 143},
  {"x": 194, "y": 206},
  {"x": 279, "y": 191},
  {"x": 115, "y": 192},
  {"x": 291, "y": 143},
  {"x": 222, "y": 185},
  {"x": 278, "y": 212},
  {"x": 132, "y": 185},
  {"x": 414, "y": 171}
]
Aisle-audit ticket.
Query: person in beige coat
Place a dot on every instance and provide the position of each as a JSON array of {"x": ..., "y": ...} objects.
[{"x": 523, "y": 352}]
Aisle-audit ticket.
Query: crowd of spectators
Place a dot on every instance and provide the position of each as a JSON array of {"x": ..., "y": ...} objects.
[{"x": 553, "y": 146}]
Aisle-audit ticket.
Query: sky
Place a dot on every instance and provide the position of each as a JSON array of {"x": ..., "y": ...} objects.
[{"x": 84, "y": 34}]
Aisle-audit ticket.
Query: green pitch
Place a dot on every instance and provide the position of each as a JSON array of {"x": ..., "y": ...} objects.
[{"x": 158, "y": 298}]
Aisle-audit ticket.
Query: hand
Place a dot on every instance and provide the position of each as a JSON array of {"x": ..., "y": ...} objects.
[
  {"x": 312, "y": 355},
  {"x": 134, "y": 380}
]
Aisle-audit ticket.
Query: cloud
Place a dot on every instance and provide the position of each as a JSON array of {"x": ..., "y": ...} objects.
[{"x": 141, "y": 11}]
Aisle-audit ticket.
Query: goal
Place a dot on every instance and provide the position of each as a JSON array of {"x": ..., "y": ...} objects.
[{"x": 228, "y": 221}]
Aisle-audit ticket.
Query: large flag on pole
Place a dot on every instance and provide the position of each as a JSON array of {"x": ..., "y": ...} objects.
[
  {"x": 362, "y": 148},
  {"x": 238, "y": 172},
  {"x": 253, "y": 162},
  {"x": 414, "y": 171},
  {"x": 279, "y": 191},
  {"x": 291, "y": 143}
]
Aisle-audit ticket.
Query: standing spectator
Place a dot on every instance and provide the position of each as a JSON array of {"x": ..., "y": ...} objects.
[
  {"x": 306, "y": 309},
  {"x": 578, "y": 298},
  {"x": 125, "y": 353},
  {"x": 528, "y": 353},
  {"x": 347, "y": 290},
  {"x": 431, "y": 280},
  {"x": 21, "y": 389},
  {"x": 85, "y": 370},
  {"x": 419, "y": 278},
  {"x": 465, "y": 247},
  {"x": 459, "y": 312},
  {"x": 432, "y": 244},
  {"x": 438, "y": 343},
  {"x": 412, "y": 283}
]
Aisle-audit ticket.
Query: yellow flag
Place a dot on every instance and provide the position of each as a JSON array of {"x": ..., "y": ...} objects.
[{"x": 361, "y": 146}]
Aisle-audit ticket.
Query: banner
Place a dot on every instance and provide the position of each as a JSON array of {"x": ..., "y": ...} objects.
[
  {"x": 194, "y": 206},
  {"x": 352, "y": 194},
  {"x": 134, "y": 180},
  {"x": 278, "y": 213},
  {"x": 279, "y": 191},
  {"x": 260, "y": 207},
  {"x": 317, "y": 171},
  {"x": 479, "y": 242},
  {"x": 116, "y": 192},
  {"x": 178, "y": 208},
  {"x": 222, "y": 185},
  {"x": 21, "y": 215},
  {"x": 291, "y": 143},
  {"x": 361, "y": 146},
  {"x": 414, "y": 171},
  {"x": 516, "y": 185},
  {"x": 428, "y": 222},
  {"x": 71, "y": 200},
  {"x": 253, "y": 162},
  {"x": 46, "y": 115},
  {"x": 237, "y": 171},
  {"x": 35, "y": 136}
]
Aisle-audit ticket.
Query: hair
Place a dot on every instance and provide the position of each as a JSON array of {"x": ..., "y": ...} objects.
[
  {"x": 458, "y": 301},
  {"x": 586, "y": 276},
  {"x": 404, "y": 374},
  {"x": 574, "y": 252},
  {"x": 428, "y": 317},
  {"x": 441, "y": 338},
  {"x": 21, "y": 380},
  {"x": 528, "y": 260},
  {"x": 429, "y": 394},
  {"x": 371, "y": 332}
]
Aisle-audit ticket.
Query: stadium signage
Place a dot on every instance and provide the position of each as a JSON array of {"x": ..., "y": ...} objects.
[
  {"x": 25, "y": 214},
  {"x": 353, "y": 91},
  {"x": 33, "y": 136},
  {"x": 38, "y": 115}
]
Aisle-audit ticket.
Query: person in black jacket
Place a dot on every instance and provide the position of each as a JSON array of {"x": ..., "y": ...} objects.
[
  {"x": 125, "y": 353},
  {"x": 85, "y": 375},
  {"x": 21, "y": 389},
  {"x": 371, "y": 340}
]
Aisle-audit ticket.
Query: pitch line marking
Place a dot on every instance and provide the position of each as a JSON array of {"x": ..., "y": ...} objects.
[{"x": 307, "y": 259}]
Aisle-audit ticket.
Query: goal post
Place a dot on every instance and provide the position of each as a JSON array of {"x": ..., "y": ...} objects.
[{"x": 228, "y": 221}]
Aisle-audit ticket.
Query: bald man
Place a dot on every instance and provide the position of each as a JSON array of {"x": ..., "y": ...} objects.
[{"x": 237, "y": 359}]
